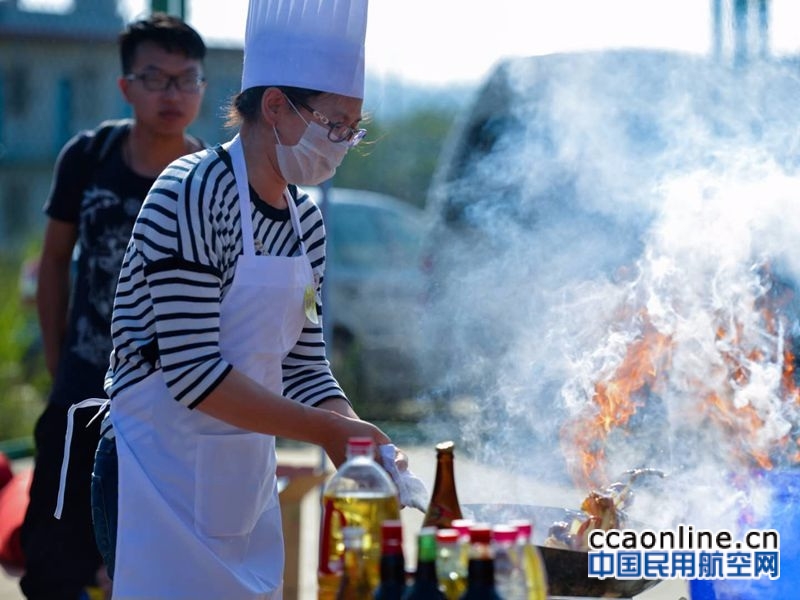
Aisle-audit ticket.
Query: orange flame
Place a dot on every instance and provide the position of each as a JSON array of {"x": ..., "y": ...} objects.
[{"x": 644, "y": 369}]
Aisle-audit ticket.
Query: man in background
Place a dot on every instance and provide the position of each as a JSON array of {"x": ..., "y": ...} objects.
[{"x": 100, "y": 181}]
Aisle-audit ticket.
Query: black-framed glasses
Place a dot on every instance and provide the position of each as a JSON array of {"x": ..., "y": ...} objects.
[
  {"x": 154, "y": 81},
  {"x": 337, "y": 132}
]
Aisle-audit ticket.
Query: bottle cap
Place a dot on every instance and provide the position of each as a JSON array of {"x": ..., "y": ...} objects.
[
  {"x": 392, "y": 529},
  {"x": 360, "y": 446},
  {"x": 427, "y": 544},
  {"x": 524, "y": 527},
  {"x": 392, "y": 537},
  {"x": 462, "y": 525},
  {"x": 447, "y": 447},
  {"x": 447, "y": 535},
  {"x": 430, "y": 530},
  {"x": 480, "y": 533},
  {"x": 504, "y": 534}
]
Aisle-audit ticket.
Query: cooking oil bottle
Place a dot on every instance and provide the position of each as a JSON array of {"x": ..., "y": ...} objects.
[
  {"x": 360, "y": 494},
  {"x": 444, "y": 505}
]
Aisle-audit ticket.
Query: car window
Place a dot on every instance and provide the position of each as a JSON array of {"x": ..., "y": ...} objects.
[
  {"x": 356, "y": 237},
  {"x": 402, "y": 236}
]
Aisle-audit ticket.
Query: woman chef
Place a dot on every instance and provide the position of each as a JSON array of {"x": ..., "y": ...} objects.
[{"x": 217, "y": 336}]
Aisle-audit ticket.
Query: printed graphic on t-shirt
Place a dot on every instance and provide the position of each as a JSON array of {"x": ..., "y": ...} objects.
[{"x": 106, "y": 225}]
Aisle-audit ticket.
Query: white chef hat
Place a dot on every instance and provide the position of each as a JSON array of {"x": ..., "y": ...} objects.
[{"x": 312, "y": 44}]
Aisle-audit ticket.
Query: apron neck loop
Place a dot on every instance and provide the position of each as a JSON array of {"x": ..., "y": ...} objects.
[{"x": 240, "y": 174}]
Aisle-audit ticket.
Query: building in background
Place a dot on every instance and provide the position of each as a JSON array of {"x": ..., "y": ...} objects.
[{"x": 58, "y": 75}]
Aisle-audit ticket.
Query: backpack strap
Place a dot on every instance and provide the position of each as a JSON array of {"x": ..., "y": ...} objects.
[{"x": 105, "y": 136}]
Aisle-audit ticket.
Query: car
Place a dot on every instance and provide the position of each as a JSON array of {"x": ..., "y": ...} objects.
[
  {"x": 542, "y": 195},
  {"x": 371, "y": 295}
]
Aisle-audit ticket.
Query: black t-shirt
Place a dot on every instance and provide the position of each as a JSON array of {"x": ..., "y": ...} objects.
[{"x": 104, "y": 211}]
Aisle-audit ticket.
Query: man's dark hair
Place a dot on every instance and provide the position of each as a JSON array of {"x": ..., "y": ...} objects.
[{"x": 170, "y": 33}]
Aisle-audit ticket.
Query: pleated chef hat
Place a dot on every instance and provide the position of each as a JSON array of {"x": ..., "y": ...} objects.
[{"x": 313, "y": 44}]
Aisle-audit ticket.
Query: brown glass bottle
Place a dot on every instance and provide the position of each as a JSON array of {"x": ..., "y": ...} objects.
[{"x": 444, "y": 506}]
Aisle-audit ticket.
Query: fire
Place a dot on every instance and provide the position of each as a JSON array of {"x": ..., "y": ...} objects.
[
  {"x": 617, "y": 399},
  {"x": 729, "y": 396}
]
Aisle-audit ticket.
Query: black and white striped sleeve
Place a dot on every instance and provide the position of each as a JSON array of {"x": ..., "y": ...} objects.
[{"x": 185, "y": 239}]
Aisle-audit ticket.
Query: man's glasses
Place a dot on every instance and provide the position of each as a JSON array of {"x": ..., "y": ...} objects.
[
  {"x": 188, "y": 83},
  {"x": 337, "y": 132}
]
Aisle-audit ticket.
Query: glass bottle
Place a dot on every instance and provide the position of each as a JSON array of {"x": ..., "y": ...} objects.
[
  {"x": 360, "y": 494},
  {"x": 354, "y": 583},
  {"x": 509, "y": 574},
  {"x": 393, "y": 566},
  {"x": 450, "y": 568},
  {"x": 426, "y": 582},
  {"x": 444, "y": 505},
  {"x": 532, "y": 561},
  {"x": 480, "y": 573}
]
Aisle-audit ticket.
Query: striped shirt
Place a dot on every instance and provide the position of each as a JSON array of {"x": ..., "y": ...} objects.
[{"x": 178, "y": 267}]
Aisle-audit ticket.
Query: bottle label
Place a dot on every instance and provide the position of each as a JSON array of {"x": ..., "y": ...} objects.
[
  {"x": 439, "y": 513},
  {"x": 327, "y": 564}
]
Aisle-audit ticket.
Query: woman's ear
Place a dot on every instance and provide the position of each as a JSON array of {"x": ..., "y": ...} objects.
[{"x": 272, "y": 101}]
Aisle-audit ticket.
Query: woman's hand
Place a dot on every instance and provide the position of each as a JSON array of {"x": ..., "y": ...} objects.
[{"x": 342, "y": 429}]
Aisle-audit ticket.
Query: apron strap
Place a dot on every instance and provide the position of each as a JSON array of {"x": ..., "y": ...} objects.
[
  {"x": 243, "y": 188},
  {"x": 62, "y": 484}
]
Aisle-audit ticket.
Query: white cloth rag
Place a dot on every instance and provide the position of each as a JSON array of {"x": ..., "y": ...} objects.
[{"x": 411, "y": 489}]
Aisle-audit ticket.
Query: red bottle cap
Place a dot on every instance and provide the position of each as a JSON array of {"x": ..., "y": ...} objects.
[
  {"x": 462, "y": 525},
  {"x": 524, "y": 527},
  {"x": 360, "y": 446},
  {"x": 447, "y": 536},
  {"x": 392, "y": 537},
  {"x": 504, "y": 534},
  {"x": 480, "y": 533}
]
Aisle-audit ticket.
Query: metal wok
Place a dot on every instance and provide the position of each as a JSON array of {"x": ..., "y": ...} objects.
[{"x": 566, "y": 569}]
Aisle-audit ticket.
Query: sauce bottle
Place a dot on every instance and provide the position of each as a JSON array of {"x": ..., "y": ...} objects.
[
  {"x": 426, "y": 582},
  {"x": 480, "y": 573},
  {"x": 444, "y": 505},
  {"x": 393, "y": 565},
  {"x": 451, "y": 566}
]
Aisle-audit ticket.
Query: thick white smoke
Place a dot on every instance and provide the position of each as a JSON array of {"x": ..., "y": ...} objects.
[{"x": 610, "y": 195}]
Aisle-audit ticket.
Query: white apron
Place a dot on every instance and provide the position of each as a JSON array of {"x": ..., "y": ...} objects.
[{"x": 198, "y": 504}]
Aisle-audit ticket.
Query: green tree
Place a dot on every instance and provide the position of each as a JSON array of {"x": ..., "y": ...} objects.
[
  {"x": 23, "y": 377},
  {"x": 398, "y": 158}
]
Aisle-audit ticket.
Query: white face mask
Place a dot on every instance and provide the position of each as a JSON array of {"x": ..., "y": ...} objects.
[{"x": 313, "y": 159}]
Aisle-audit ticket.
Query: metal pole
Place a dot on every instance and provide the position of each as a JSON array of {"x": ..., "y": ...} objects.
[
  {"x": 740, "y": 10},
  {"x": 716, "y": 29},
  {"x": 763, "y": 28},
  {"x": 166, "y": 6}
]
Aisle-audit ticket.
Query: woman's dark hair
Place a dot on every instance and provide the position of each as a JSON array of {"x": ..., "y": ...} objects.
[
  {"x": 170, "y": 33},
  {"x": 246, "y": 105}
]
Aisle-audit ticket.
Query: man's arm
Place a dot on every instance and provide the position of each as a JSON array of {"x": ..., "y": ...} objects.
[{"x": 53, "y": 288}]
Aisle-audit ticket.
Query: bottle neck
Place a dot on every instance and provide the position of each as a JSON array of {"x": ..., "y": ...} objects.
[
  {"x": 480, "y": 573},
  {"x": 445, "y": 476},
  {"x": 426, "y": 573},
  {"x": 393, "y": 568}
]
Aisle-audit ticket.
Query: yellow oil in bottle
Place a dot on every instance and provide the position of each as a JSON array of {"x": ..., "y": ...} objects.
[{"x": 364, "y": 509}]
